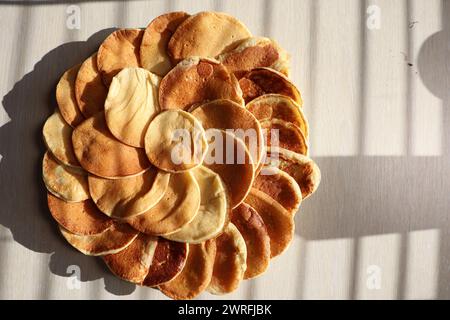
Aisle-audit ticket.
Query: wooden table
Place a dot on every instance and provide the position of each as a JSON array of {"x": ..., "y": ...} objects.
[{"x": 375, "y": 77}]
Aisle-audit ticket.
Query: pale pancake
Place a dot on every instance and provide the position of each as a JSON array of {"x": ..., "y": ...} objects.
[
  {"x": 178, "y": 207},
  {"x": 153, "y": 51},
  {"x": 196, "y": 80},
  {"x": 113, "y": 240},
  {"x": 262, "y": 81},
  {"x": 131, "y": 104},
  {"x": 100, "y": 153},
  {"x": 281, "y": 187},
  {"x": 175, "y": 141},
  {"x": 196, "y": 274},
  {"x": 206, "y": 34},
  {"x": 133, "y": 263},
  {"x": 255, "y": 52},
  {"x": 119, "y": 50},
  {"x": 279, "y": 222},
  {"x": 226, "y": 114},
  {"x": 81, "y": 218},
  {"x": 254, "y": 231},
  {"x": 276, "y": 106},
  {"x": 213, "y": 211},
  {"x": 90, "y": 91},
  {"x": 64, "y": 182},
  {"x": 230, "y": 262},
  {"x": 128, "y": 197},
  {"x": 303, "y": 169},
  {"x": 290, "y": 136},
  {"x": 65, "y": 97},
  {"x": 229, "y": 158},
  {"x": 58, "y": 139},
  {"x": 168, "y": 261}
]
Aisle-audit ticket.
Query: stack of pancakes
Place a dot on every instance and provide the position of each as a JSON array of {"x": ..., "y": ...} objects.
[{"x": 201, "y": 222}]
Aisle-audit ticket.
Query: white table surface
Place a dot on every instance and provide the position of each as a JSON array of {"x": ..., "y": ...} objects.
[{"x": 378, "y": 104}]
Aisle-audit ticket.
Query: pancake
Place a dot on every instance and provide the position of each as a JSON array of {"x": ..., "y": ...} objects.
[
  {"x": 290, "y": 136},
  {"x": 281, "y": 187},
  {"x": 113, "y": 240},
  {"x": 128, "y": 197},
  {"x": 168, "y": 261},
  {"x": 303, "y": 169},
  {"x": 229, "y": 158},
  {"x": 196, "y": 274},
  {"x": 254, "y": 231},
  {"x": 65, "y": 97},
  {"x": 212, "y": 214},
  {"x": 58, "y": 139},
  {"x": 226, "y": 114},
  {"x": 101, "y": 154},
  {"x": 64, "y": 182},
  {"x": 262, "y": 81},
  {"x": 279, "y": 222},
  {"x": 206, "y": 34},
  {"x": 131, "y": 104},
  {"x": 196, "y": 80},
  {"x": 178, "y": 207},
  {"x": 175, "y": 141},
  {"x": 133, "y": 263},
  {"x": 229, "y": 263},
  {"x": 90, "y": 91},
  {"x": 153, "y": 51},
  {"x": 81, "y": 218},
  {"x": 255, "y": 52},
  {"x": 119, "y": 50},
  {"x": 276, "y": 106}
]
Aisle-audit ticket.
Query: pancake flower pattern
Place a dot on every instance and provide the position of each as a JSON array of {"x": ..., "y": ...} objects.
[{"x": 179, "y": 154}]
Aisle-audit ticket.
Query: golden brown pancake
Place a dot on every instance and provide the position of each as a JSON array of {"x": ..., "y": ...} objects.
[
  {"x": 82, "y": 218},
  {"x": 255, "y": 52},
  {"x": 197, "y": 80},
  {"x": 119, "y": 50},
  {"x": 58, "y": 139},
  {"x": 112, "y": 240},
  {"x": 66, "y": 183},
  {"x": 90, "y": 90},
  {"x": 196, "y": 274},
  {"x": 133, "y": 263},
  {"x": 276, "y": 106},
  {"x": 168, "y": 261},
  {"x": 153, "y": 51},
  {"x": 289, "y": 136},
  {"x": 262, "y": 81},
  {"x": 128, "y": 197},
  {"x": 101, "y": 154},
  {"x": 229, "y": 158},
  {"x": 281, "y": 187},
  {"x": 175, "y": 141},
  {"x": 206, "y": 34},
  {"x": 303, "y": 169},
  {"x": 131, "y": 104},
  {"x": 178, "y": 207},
  {"x": 226, "y": 114},
  {"x": 230, "y": 262},
  {"x": 279, "y": 222},
  {"x": 65, "y": 97},
  {"x": 212, "y": 214},
  {"x": 254, "y": 231}
]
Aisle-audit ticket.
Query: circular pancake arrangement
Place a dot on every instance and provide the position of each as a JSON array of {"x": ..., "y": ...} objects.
[{"x": 179, "y": 154}]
